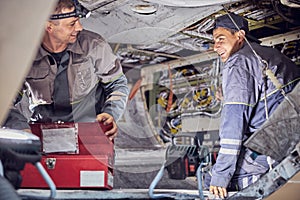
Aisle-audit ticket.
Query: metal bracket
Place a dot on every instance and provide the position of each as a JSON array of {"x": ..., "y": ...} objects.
[{"x": 274, "y": 179}]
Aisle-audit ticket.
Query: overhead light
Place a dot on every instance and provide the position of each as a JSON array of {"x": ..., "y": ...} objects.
[{"x": 144, "y": 8}]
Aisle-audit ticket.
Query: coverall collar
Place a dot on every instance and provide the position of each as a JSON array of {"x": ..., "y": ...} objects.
[{"x": 75, "y": 48}]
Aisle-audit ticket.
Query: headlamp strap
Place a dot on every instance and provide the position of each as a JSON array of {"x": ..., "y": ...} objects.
[
  {"x": 80, "y": 11},
  {"x": 63, "y": 15}
]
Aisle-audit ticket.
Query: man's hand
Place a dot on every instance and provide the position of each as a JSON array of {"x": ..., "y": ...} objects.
[
  {"x": 27, "y": 130},
  {"x": 218, "y": 191},
  {"x": 219, "y": 94},
  {"x": 108, "y": 119}
]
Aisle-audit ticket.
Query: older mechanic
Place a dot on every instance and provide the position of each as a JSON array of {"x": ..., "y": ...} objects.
[
  {"x": 74, "y": 77},
  {"x": 243, "y": 113}
]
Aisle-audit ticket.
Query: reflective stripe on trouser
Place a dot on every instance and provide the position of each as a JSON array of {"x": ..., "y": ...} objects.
[
  {"x": 236, "y": 184},
  {"x": 242, "y": 182},
  {"x": 249, "y": 169}
]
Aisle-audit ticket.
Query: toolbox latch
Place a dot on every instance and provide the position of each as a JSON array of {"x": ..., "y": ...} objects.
[{"x": 50, "y": 163}]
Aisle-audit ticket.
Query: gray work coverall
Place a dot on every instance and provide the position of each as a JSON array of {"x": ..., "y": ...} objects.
[{"x": 95, "y": 78}]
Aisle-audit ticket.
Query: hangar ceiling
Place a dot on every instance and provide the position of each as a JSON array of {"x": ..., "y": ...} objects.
[{"x": 155, "y": 31}]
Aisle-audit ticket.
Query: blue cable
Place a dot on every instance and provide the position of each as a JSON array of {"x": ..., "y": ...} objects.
[
  {"x": 159, "y": 175},
  {"x": 199, "y": 179}
]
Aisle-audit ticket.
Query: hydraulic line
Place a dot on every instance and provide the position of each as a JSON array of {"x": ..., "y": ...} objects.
[
  {"x": 170, "y": 99},
  {"x": 159, "y": 175}
]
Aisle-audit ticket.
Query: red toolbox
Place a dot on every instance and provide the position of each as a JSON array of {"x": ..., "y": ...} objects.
[{"x": 75, "y": 155}]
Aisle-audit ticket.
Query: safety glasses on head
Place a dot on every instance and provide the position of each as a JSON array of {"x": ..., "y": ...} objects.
[{"x": 80, "y": 11}]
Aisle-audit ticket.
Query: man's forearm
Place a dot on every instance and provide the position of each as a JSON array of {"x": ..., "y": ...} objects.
[
  {"x": 116, "y": 97},
  {"x": 15, "y": 120}
]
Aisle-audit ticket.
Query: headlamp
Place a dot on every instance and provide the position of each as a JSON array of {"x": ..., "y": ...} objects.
[{"x": 80, "y": 11}]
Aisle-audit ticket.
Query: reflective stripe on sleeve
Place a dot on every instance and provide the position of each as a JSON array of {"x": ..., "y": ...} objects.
[
  {"x": 229, "y": 151},
  {"x": 238, "y": 103},
  {"x": 231, "y": 141}
]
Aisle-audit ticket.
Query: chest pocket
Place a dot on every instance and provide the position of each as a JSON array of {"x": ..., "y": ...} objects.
[
  {"x": 40, "y": 80},
  {"x": 85, "y": 79},
  {"x": 38, "y": 71}
]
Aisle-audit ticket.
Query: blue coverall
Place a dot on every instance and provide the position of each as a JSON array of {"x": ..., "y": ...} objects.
[{"x": 244, "y": 112}]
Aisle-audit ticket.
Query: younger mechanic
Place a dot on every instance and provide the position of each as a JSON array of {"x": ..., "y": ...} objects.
[
  {"x": 243, "y": 112},
  {"x": 74, "y": 77}
]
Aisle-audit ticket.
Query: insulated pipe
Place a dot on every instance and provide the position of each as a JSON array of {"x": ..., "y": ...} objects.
[{"x": 48, "y": 179}]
